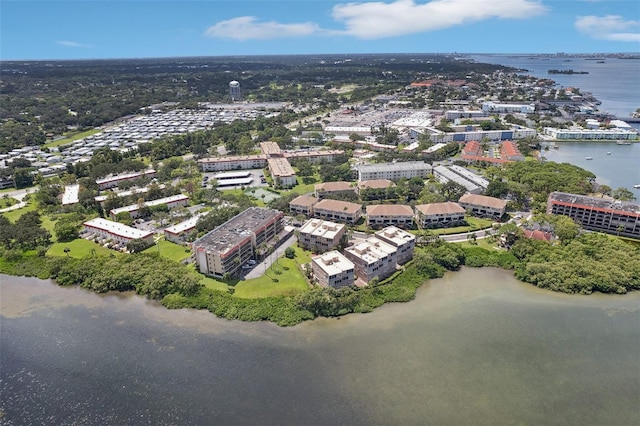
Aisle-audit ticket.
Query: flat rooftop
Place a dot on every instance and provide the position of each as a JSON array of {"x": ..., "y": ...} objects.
[
  {"x": 396, "y": 236},
  {"x": 595, "y": 202},
  {"x": 237, "y": 229},
  {"x": 333, "y": 263},
  {"x": 371, "y": 250},
  {"x": 70, "y": 195},
  {"x": 322, "y": 228},
  {"x": 125, "y": 176},
  {"x": 400, "y": 165},
  {"x": 158, "y": 202},
  {"x": 231, "y": 175},
  {"x": 117, "y": 228},
  {"x": 280, "y": 167},
  {"x": 185, "y": 225}
]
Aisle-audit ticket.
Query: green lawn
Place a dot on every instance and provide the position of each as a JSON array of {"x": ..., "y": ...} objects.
[
  {"x": 475, "y": 224},
  {"x": 7, "y": 202},
  {"x": 169, "y": 250},
  {"x": 13, "y": 215},
  {"x": 79, "y": 248},
  {"x": 483, "y": 242},
  {"x": 71, "y": 137}
]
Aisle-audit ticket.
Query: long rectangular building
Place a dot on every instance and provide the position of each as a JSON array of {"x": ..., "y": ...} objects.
[
  {"x": 113, "y": 181},
  {"x": 134, "y": 209},
  {"x": 282, "y": 173},
  {"x": 117, "y": 231},
  {"x": 393, "y": 171},
  {"x": 598, "y": 214},
  {"x": 236, "y": 162},
  {"x": 226, "y": 248}
]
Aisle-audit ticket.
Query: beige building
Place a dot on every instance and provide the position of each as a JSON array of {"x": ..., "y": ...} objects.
[
  {"x": 342, "y": 211},
  {"x": 229, "y": 246},
  {"x": 314, "y": 157},
  {"x": 380, "y": 215},
  {"x": 271, "y": 149},
  {"x": 236, "y": 162},
  {"x": 375, "y": 184},
  {"x": 372, "y": 258},
  {"x": 282, "y": 173},
  {"x": 440, "y": 215},
  {"x": 403, "y": 241},
  {"x": 327, "y": 189},
  {"x": 302, "y": 205},
  {"x": 320, "y": 235},
  {"x": 483, "y": 206},
  {"x": 332, "y": 269}
]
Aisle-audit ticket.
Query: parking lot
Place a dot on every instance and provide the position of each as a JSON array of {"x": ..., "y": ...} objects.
[{"x": 256, "y": 175}]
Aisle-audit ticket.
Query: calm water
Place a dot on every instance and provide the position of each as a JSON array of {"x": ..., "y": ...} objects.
[
  {"x": 616, "y": 83},
  {"x": 476, "y": 347}
]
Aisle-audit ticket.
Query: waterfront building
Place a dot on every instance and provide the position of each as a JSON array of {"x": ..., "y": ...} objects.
[
  {"x": 591, "y": 134},
  {"x": 380, "y": 215},
  {"x": 403, "y": 241},
  {"x": 332, "y": 269},
  {"x": 393, "y": 171},
  {"x": 342, "y": 211},
  {"x": 483, "y": 206},
  {"x": 493, "y": 108},
  {"x": 282, "y": 173},
  {"x": 440, "y": 215},
  {"x": 116, "y": 231},
  {"x": 113, "y": 181},
  {"x": 134, "y": 209},
  {"x": 508, "y": 152},
  {"x": 598, "y": 214},
  {"x": 229, "y": 246},
  {"x": 473, "y": 133},
  {"x": 234, "y": 162},
  {"x": 320, "y": 235},
  {"x": 302, "y": 204},
  {"x": 372, "y": 258},
  {"x": 329, "y": 189}
]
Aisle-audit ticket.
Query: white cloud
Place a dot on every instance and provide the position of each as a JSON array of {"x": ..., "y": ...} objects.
[
  {"x": 377, "y": 19},
  {"x": 371, "y": 20},
  {"x": 73, "y": 44},
  {"x": 248, "y": 28},
  {"x": 610, "y": 27}
]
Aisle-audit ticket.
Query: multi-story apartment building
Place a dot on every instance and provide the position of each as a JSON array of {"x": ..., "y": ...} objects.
[
  {"x": 320, "y": 235},
  {"x": 403, "y": 241},
  {"x": 592, "y": 134},
  {"x": 393, "y": 171},
  {"x": 226, "y": 248},
  {"x": 381, "y": 215},
  {"x": 332, "y": 269},
  {"x": 271, "y": 149},
  {"x": 440, "y": 215},
  {"x": 598, "y": 214},
  {"x": 329, "y": 189},
  {"x": 282, "y": 173},
  {"x": 314, "y": 157},
  {"x": 117, "y": 231},
  {"x": 342, "y": 211},
  {"x": 113, "y": 181},
  {"x": 492, "y": 108},
  {"x": 134, "y": 209},
  {"x": 302, "y": 205},
  {"x": 483, "y": 206},
  {"x": 235, "y": 162},
  {"x": 372, "y": 258}
]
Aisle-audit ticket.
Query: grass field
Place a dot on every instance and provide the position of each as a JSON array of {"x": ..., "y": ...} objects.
[
  {"x": 13, "y": 215},
  {"x": 71, "y": 137},
  {"x": 475, "y": 224},
  {"x": 169, "y": 250},
  {"x": 7, "y": 202},
  {"x": 79, "y": 248},
  {"x": 483, "y": 242},
  {"x": 290, "y": 281}
]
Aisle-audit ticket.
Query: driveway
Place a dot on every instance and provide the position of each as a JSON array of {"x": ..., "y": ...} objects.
[{"x": 260, "y": 267}]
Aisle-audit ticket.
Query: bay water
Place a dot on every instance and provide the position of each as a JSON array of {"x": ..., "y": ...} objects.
[{"x": 475, "y": 347}]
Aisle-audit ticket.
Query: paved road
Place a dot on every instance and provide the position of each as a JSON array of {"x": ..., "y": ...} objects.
[
  {"x": 19, "y": 195},
  {"x": 260, "y": 267}
]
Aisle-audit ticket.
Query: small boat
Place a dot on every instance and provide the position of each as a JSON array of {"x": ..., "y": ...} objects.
[
  {"x": 623, "y": 143},
  {"x": 588, "y": 158},
  {"x": 608, "y": 153},
  {"x": 637, "y": 186}
]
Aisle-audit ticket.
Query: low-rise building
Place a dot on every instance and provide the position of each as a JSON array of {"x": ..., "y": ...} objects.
[
  {"x": 134, "y": 209},
  {"x": 117, "y": 231},
  {"x": 483, "y": 206},
  {"x": 320, "y": 235},
  {"x": 372, "y": 258},
  {"x": 229, "y": 246},
  {"x": 236, "y": 162},
  {"x": 403, "y": 241},
  {"x": 332, "y": 269},
  {"x": 330, "y": 189},
  {"x": 440, "y": 215},
  {"x": 444, "y": 174},
  {"x": 180, "y": 232},
  {"x": 282, "y": 173},
  {"x": 113, "y": 181},
  {"x": 342, "y": 211},
  {"x": 598, "y": 214},
  {"x": 393, "y": 171},
  {"x": 70, "y": 195},
  {"x": 302, "y": 205},
  {"x": 381, "y": 215}
]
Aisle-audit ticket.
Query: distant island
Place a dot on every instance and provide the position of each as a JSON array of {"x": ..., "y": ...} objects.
[{"x": 567, "y": 72}]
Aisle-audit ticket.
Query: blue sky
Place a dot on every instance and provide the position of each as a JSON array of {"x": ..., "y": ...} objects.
[{"x": 130, "y": 29}]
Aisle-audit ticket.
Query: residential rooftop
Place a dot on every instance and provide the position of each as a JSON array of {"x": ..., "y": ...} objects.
[
  {"x": 595, "y": 202},
  {"x": 280, "y": 167},
  {"x": 371, "y": 250},
  {"x": 333, "y": 262},
  {"x": 321, "y": 228},
  {"x": 395, "y": 235},
  {"x": 158, "y": 202},
  {"x": 389, "y": 210},
  {"x": 448, "y": 207},
  {"x": 303, "y": 200},
  {"x": 116, "y": 228},
  {"x": 483, "y": 200},
  {"x": 337, "y": 206}
]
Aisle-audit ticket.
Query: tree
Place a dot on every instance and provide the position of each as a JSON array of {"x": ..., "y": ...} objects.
[
  {"x": 136, "y": 245},
  {"x": 290, "y": 252},
  {"x": 452, "y": 191},
  {"x": 67, "y": 250},
  {"x": 623, "y": 194},
  {"x": 65, "y": 230}
]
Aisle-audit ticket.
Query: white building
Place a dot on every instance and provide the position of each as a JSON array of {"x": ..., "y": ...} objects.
[
  {"x": 117, "y": 231},
  {"x": 403, "y": 241},
  {"x": 332, "y": 269},
  {"x": 282, "y": 173},
  {"x": 393, "y": 171},
  {"x": 320, "y": 235},
  {"x": 70, "y": 195},
  {"x": 590, "y": 134},
  {"x": 372, "y": 258},
  {"x": 493, "y": 107},
  {"x": 113, "y": 181},
  {"x": 134, "y": 209}
]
